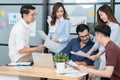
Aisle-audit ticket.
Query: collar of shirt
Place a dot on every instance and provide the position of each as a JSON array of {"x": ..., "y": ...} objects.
[
  {"x": 61, "y": 19},
  {"x": 26, "y": 25}
]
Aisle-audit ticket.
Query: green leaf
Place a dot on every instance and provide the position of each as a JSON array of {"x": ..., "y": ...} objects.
[{"x": 61, "y": 57}]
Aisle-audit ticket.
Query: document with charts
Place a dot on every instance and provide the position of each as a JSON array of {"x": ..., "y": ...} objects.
[
  {"x": 53, "y": 46},
  {"x": 80, "y": 53}
]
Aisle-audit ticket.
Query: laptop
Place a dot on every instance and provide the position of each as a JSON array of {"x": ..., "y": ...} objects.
[{"x": 43, "y": 59}]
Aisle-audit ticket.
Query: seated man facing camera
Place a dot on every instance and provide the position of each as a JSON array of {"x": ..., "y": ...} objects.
[{"x": 83, "y": 43}]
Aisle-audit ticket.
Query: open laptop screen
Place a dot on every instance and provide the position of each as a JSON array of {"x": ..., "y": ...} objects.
[{"x": 43, "y": 59}]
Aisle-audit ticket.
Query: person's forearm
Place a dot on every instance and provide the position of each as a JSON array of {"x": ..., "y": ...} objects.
[
  {"x": 101, "y": 73},
  {"x": 107, "y": 72},
  {"x": 98, "y": 54},
  {"x": 57, "y": 41},
  {"x": 81, "y": 63},
  {"x": 28, "y": 50},
  {"x": 94, "y": 57},
  {"x": 90, "y": 51}
]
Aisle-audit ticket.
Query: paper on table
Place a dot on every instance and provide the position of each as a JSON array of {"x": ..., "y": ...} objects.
[
  {"x": 53, "y": 46},
  {"x": 67, "y": 70},
  {"x": 42, "y": 35},
  {"x": 71, "y": 63},
  {"x": 21, "y": 67},
  {"x": 20, "y": 64},
  {"x": 71, "y": 72},
  {"x": 78, "y": 74},
  {"x": 80, "y": 53}
]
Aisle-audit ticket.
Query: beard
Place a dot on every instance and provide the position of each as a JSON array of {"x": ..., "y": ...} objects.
[{"x": 85, "y": 41}]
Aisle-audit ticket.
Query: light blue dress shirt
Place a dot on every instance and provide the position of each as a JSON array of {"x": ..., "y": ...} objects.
[{"x": 61, "y": 33}]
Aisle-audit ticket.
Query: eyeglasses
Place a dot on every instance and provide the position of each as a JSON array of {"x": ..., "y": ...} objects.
[
  {"x": 85, "y": 36},
  {"x": 33, "y": 15}
]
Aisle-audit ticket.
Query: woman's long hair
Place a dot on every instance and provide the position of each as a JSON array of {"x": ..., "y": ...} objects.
[
  {"x": 55, "y": 8},
  {"x": 109, "y": 12}
]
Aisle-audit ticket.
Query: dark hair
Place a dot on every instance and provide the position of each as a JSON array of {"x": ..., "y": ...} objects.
[
  {"x": 109, "y": 12},
  {"x": 25, "y": 9},
  {"x": 55, "y": 8},
  {"x": 81, "y": 28},
  {"x": 104, "y": 29}
]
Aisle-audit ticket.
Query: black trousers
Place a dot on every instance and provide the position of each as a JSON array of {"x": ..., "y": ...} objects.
[
  {"x": 104, "y": 78},
  {"x": 43, "y": 78}
]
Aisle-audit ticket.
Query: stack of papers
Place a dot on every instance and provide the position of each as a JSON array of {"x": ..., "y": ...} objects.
[
  {"x": 78, "y": 74},
  {"x": 53, "y": 46},
  {"x": 71, "y": 72},
  {"x": 21, "y": 67},
  {"x": 67, "y": 70},
  {"x": 20, "y": 64}
]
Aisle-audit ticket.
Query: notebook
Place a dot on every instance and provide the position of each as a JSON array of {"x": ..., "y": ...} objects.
[{"x": 43, "y": 59}]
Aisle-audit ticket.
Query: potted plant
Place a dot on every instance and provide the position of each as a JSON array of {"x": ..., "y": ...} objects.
[{"x": 60, "y": 60}]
